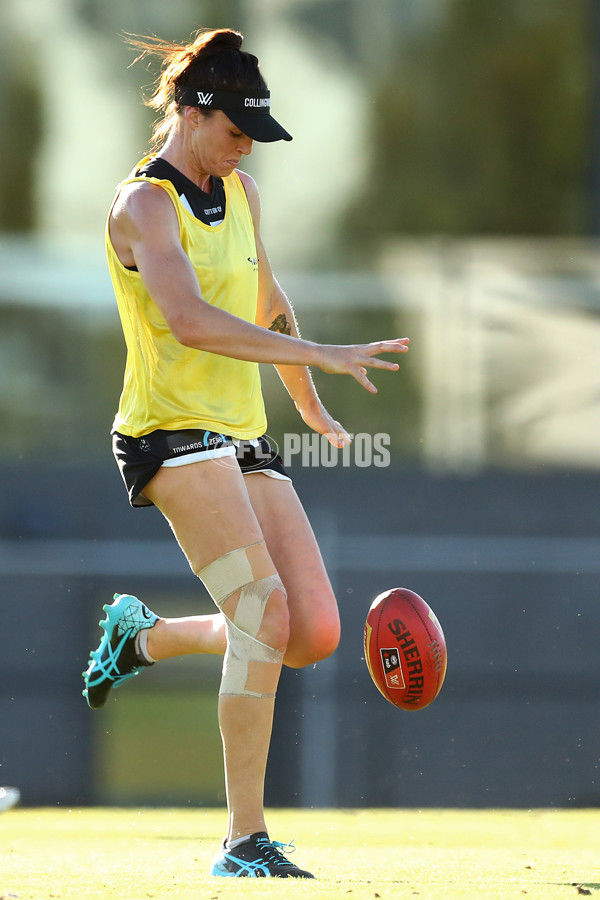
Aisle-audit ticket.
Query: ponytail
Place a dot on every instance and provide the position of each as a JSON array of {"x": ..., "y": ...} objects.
[{"x": 213, "y": 60}]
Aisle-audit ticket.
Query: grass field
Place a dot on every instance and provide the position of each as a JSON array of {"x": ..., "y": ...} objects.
[{"x": 101, "y": 854}]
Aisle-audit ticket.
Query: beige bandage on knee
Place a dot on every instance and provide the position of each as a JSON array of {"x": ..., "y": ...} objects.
[{"x": 245, "y": 658}]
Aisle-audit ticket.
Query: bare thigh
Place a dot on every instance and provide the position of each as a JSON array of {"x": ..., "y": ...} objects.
[
  {"x": 207, "y": 505},
  {"x": 208, "y": 508},
  {"x": 314, "y": 618}
]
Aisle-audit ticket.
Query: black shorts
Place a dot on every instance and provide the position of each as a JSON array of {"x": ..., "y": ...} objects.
[{"x": 139, "y": 459}]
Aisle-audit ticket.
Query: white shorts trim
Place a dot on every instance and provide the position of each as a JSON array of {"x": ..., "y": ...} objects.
[
  {"x": 189, "y": 458},
  {"x": 270, "y": 472}
]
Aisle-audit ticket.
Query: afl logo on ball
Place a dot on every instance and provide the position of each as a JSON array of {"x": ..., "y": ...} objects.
[{"x": 391, "y": 668}]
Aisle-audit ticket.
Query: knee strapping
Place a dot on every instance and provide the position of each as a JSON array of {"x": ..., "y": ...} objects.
[{"x": 238, "y": 571}]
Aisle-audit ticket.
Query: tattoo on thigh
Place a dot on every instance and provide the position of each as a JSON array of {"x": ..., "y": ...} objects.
[{"x": 281, "y": 324}]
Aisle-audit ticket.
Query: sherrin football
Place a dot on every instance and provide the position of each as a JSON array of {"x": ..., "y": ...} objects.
[{"x": 405, "y": 649}]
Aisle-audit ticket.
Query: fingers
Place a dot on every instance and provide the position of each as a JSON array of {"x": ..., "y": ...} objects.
[
  {"x": 361, "y": 377},
  {"x": 338, "y": 436},
  {"x": 354, "y": 359},
  {"x": 376, "y": 363},
  {"x": 400, "y": 345}
]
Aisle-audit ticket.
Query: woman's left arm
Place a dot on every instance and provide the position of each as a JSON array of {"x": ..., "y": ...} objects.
[{"x": 275, "y": 312}]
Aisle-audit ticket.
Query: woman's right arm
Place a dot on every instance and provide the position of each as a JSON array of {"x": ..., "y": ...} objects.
[{"x": 144, "y": 228}]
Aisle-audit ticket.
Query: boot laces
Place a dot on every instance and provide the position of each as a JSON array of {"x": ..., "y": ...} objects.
[{"x": 273, "y": 851}]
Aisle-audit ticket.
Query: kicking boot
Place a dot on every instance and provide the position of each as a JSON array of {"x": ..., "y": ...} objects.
[
  {"x": 116, "y": 658},
  {"x": 257, "y": 857}
]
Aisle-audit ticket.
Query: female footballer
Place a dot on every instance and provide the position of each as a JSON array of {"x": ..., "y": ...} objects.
[{"x": 200, "y": 309}]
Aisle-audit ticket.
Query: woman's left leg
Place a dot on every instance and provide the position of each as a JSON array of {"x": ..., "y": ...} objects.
[{"x": 314, "y": 616}]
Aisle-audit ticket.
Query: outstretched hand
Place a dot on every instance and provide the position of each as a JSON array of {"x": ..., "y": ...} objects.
[
  {"x": 320, "y": 420},
  {"x": 354, "y": 359}
]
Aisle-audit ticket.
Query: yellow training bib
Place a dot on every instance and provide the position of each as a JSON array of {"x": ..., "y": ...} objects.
[{"x": 166, "y": 384}]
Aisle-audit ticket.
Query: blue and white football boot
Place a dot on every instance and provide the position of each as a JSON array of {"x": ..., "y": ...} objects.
[
  {"x": 116, "y": 659},
  {"x": 257, "y": 857}
]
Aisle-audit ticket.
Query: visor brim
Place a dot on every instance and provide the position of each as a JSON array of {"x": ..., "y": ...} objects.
[{"x": 260, "y": 127}]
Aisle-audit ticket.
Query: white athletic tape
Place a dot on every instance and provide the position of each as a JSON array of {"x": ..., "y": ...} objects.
[
  {"x": 242, "y": 651},
  {"x": 227, "y": 574},
  {"x": 222, "y": 578}
]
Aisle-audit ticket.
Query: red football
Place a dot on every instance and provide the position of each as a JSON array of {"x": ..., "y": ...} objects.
[{"x": 405, "y": 649}]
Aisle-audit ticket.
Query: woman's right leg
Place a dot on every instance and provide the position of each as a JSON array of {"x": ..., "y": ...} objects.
[
  {"x": 187, "y": 635},
  {"x": 208, "y": 508}
]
